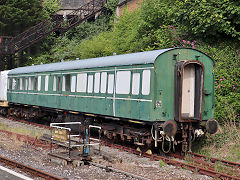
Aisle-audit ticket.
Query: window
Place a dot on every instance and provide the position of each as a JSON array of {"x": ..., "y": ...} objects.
[
  {"x": 97, "y": 82},
  {"x": 18, "y": 83},
  {"x": 14, "y": 83},
  {"x": 67, "y": 82},
  {"x": 110, "y": 83},
  {"x": 146, "y": 82},
  {"x": 26, "y": 83},
  {"x": 123, "y": 82},
  {"x": 21, "y": 83},
  {"x": 54, "y": 83},
  {"x": 31, "y": 83},
  {"x": 35, "y": 83},
  {"x": 81, "y": 82},
  {"x": 8, "y": 84},
  {"x": 39, "y": 83},
  {"x": 59, "y": 83},
  {"x": 90, "y": 83},
  {"x": 135, "y": 83},
  {"x": 64, "y": 83},
  {"x": 73, "y": 84},
  {"x": 46, "y": 82},
  {"x": 103, "y": 82}
]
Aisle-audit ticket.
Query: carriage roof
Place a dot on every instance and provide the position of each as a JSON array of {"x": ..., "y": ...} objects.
[{"x": 147, "y": 57}]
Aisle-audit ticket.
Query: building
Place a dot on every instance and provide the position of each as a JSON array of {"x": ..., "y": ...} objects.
[{"x": 131, "y": 5}]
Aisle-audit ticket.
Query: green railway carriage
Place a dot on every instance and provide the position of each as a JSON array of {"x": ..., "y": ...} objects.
[{"x": 163, "y": 90}]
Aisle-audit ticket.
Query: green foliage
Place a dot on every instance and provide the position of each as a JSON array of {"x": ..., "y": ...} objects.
[
  {"x": 227, "y": 86},
  {"x": 50, "y": 7},
  {"x": 112, "y": 5},
  {"x": 207, "y": 19},
  {"x": 87, "y": 30},
  {"x": 18, "y": 15}
]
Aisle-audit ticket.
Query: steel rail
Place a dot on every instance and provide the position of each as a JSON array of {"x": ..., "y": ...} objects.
[
  {"x": 213, "y": 160},
  {"x": 188, "y": 166},
  {"x": 26, "y": 168}
]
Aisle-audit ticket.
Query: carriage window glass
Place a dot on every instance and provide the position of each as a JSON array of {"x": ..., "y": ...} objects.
[
  {"x": 18, "y": 84},
  {"x": 146, "y": 82},
  {"x": 59, "y": 83},
  {"x": 39, "y": 83},
  {"x": 31, "y": 83},
  {"x": 46, "y": 82},
  {"x": 123, "y": 82},
  {"x": 110, "y": 83},
  {"x": 64, "y": 83},
  {"x": 81, "y": 82},
  {"x": 26, "y": 83},
  {"x": 35, "y": 83},
  {"x": 54, "y": 83},
  {"x": 73, "y": 84},
  {"x": 21, "y": 83},
  {"x": 8, "y": 84},
  {"x": 103, "y": 82},
  {"x": 67, "y": 82},
  {"x": 135, "y": 83},
  {"x": 90, "y": 83},
  {"x": 96, "y": 82}
]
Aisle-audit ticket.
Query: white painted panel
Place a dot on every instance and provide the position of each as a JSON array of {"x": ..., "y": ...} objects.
[
  {"x": 90, "y": 83},
  {"x": 64, "y": 83},
  {"x": 135, "y": 83},
  {"x": 73, "y": 84},
  {"x": 97, "y": 83},
  {"x": 26, "y": 84},
  {"x": 188, "y": 91},
  {"x": 123, "y": 82},
  {"x": 39, "y": 83},
  {"x": 14, "y": 83},
  {"x": 146, "y": 79},
  {"x": 82, "y": 82},
  {"x": 21, "y": 84},
  {"x": 54, "y": 83},
  {"x": 103, "y": 82},
  {"x": 4, "y": 85},
  {"x": 110, "y": 83},
  {"x": 46, "y": 82},
  {"x": 31, "y": 83}
]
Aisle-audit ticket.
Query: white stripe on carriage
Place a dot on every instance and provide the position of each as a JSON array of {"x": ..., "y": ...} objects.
[{"x": 99, "y": 97}]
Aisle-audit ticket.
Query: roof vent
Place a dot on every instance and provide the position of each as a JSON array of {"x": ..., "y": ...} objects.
[
  {"x": 32, "y": 64},
  {"x": 41, "y": 63},
  {"x": 114, "y": 54},
  {"x": 77, "y": 58},
  {"x": 62, "y": 60}
]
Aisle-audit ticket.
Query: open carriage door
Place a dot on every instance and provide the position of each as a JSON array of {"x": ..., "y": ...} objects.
[{"x": 188, "y": 91}]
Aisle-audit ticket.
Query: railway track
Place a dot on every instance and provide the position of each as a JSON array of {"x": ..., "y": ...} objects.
[
  {"x": 34, "y": 172},
  {"x": 197, "y": 163}
]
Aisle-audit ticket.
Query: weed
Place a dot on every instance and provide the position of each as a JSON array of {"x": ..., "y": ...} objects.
[{"x": 162, "y": 163}]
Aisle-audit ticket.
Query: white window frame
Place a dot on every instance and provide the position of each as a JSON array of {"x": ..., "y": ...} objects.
[
  {"x": 90, "y": 84},
  {"x": 123, "y": 82},
  {"x": 39, "y": 83},
  {"x": 73, "y": 83},
  {"x": 96, "y": 82},
  {"x": 54, "y": 83},
  {"x": 46, "y": 82},
  {"x": 136, "y": 83},
  {"x": 146, "y": 82},
  {"x": 103, "y": 82},
  {"x": 81, "y": 82},
  {"x": 110, "y": 83}
]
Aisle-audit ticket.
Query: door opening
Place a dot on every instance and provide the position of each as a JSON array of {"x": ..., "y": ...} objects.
[{"x": 188, "y": 90}]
